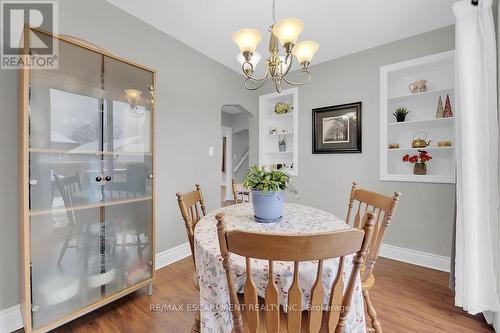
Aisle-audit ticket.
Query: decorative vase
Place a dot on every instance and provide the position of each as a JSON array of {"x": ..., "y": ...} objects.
[
  {"x": 439, "y": 109},
  {"x": 419, "y": 86},
  {"x": 268, "y": 206},
  {"x": 447, "y": 113},
  {"x": 282, "y": 147},
  {"x": 420, "y": 169}
]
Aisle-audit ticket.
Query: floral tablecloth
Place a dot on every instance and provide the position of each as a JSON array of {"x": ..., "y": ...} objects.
[{"x": 297, "y": 219}]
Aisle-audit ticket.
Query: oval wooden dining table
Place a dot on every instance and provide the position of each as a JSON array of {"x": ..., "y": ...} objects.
[{"x": 215, "y": 312}]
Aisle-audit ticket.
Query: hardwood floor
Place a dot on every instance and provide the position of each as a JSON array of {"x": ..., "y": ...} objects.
[{"x": 408, "y": 299}]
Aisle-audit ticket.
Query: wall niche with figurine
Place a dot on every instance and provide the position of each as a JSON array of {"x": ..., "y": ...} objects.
[{"x": 417, "y": 120}]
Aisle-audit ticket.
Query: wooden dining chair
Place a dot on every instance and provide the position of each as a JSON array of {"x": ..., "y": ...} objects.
[
  {"x": 190, "y": 204},
  {"x": 296, "y": 248},
  {"x": 67, "y": 186},
  {"x": 239, "y": 192},
  {"x": 384, "y": 207}
]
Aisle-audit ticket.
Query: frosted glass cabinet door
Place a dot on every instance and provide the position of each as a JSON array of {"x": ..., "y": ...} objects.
[
  {"x": 128, "y": 97},
  {"x": 128, "y": 170},
  {"x": 129, "y": 225},
  {"x": 63, "y": 244},
  {"x": 65, "y": 219},
  {"x": 65, "y": 130}
]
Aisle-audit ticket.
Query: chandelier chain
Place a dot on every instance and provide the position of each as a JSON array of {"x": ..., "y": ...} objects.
[{"x": 274, "y": 12}]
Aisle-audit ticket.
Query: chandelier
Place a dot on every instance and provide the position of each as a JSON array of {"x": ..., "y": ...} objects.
[{"x": 286, "y": 32}]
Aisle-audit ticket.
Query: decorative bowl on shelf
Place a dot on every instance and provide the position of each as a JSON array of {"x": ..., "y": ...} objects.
[{"x": 446, "y": 143}]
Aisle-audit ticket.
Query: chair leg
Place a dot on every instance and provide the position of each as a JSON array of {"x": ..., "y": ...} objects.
[
  {"x": 196, "y": 325},
  {"x": 371, "y": 312}
]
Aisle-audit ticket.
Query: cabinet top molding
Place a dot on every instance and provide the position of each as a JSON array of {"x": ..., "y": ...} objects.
[{"x": 91, "y": 47}]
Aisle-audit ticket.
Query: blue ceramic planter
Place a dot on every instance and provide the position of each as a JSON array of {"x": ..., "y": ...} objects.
[{"x": 268, "y": 206}]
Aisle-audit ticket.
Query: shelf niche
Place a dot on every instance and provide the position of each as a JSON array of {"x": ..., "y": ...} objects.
[
  {"x": 438, "y": 70},
  {"x": 286, "y": 127}
]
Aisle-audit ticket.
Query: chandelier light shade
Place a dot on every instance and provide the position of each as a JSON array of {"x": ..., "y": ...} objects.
[
  {"x": 286, "y": 32},
  {"x": 247, "y": 39},
  {"x": 304, "y": 51}
]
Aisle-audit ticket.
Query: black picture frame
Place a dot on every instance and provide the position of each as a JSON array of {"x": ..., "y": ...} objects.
[{"x": 333, "y": 127}]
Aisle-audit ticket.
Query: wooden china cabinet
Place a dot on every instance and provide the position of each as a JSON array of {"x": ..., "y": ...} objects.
[{"x": 86, "y": 181}]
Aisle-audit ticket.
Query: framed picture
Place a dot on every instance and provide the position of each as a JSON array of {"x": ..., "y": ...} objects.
[{"x": 337, "y": 129}]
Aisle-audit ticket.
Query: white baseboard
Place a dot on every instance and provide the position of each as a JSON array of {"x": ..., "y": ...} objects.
[
  {"x": 172, "y": 255},
  {"x": 10, "y": 319},
  {"x": 419, "y": 258},
  {"x": 489, "y": 317}
]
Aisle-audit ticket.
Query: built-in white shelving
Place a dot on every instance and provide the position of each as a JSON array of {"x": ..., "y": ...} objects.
[
  {"x": 425, "y": 93},
  {"x": 422, "y": 122},
  {"x": 280, "y": 134},
  {"x": 285, "y": 126},
  {"x": 416, "y": 149},
  {"x": 438, "y": 70}
]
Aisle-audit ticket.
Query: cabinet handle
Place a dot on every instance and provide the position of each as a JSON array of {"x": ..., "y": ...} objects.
[
  {"x": 150, "y": 176},
  {"x": 107, "y": 178},
  {"x": 33, "y": 182},
  {"x": 98, "y": 179}
]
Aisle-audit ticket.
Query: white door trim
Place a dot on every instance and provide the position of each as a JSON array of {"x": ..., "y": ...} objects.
[{"x": 228, "y": 133}]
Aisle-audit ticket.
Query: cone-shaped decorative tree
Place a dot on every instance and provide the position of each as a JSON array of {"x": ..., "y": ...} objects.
[
  {"x": 447, "y": 108},
  {"x": 439, "y": 110}
]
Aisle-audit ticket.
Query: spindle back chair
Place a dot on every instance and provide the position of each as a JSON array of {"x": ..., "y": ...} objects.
[
  {"x": 190, "y": 204},
  {"x": 384, "y": 207},
  {"x": 296, "y": 248}
]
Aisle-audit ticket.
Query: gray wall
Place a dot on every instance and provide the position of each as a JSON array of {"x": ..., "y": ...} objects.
[
  {"x": 425, "y": 215},
  {"x": 188, "y": 121}
]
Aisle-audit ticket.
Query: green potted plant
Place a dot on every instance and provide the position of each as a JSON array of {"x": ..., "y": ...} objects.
[
  {"x": 268, "y": 192},
  {"x": 282, "y": 108},
  {"x": 282, "y": 144},
  {"x": 400, "y": 114}
]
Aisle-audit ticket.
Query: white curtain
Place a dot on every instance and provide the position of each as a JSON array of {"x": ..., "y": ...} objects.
[{"x": 477, "y": 158}]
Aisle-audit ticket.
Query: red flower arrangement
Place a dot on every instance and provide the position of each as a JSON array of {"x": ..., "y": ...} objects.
[{"x": 422, "y": 157}]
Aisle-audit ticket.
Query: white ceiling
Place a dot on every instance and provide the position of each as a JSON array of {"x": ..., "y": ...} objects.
[{"x": 340, "y": 27}]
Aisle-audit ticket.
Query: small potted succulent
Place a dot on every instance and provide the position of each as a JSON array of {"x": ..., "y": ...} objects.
[
  {"x": 282, "y": 108},
  {"x": 282, "y": 144},
  {"x": 268, "y": 192},
  {"x": 420, "y": 168},
  {"x": 400, "y": 114}
]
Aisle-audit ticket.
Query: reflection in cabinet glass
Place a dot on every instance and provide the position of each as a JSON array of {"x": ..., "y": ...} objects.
[{"x": 87, "y": 183}]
